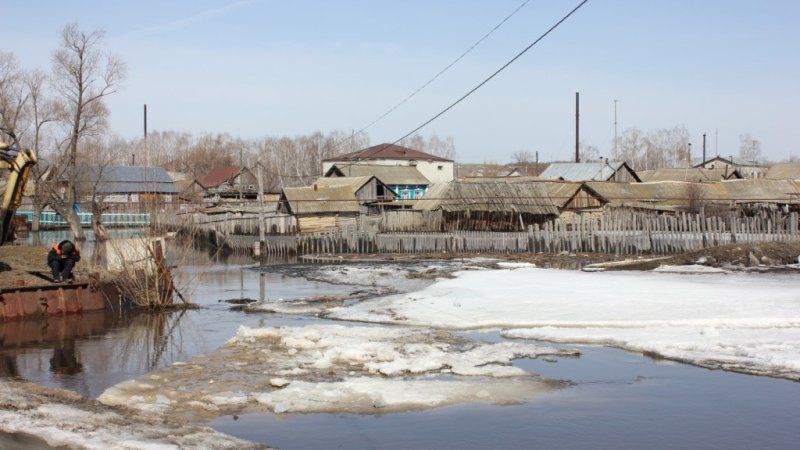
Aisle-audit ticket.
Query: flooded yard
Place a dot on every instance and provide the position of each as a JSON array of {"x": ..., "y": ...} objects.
[{"x": 406, "y": 366}]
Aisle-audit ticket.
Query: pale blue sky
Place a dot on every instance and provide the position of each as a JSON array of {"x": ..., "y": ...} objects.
[{"x": 264, "y": 67}]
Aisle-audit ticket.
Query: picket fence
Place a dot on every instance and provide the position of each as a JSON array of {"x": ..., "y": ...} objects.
[{"x": 620, "y": 232}]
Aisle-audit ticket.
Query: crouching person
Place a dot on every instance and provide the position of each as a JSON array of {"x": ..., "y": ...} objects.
[{"x": 62, "y": 259}]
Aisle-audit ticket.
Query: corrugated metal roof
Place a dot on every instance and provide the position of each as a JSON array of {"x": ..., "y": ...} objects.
[
  {"x": 387, "y": 151},
  {"x": 528, "y": 198},
  {"x": 126, "y": 179},
  {"x": 393, "y": 175},
  {"x": 788, "y": 171},
  {"x": 588, "y": 171},
  {"x": 307, "y": 200}
]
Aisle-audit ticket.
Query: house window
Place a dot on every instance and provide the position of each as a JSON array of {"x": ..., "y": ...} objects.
[
  {"x": 251, "y": 187},
  {"x": 440, "y": 167}
]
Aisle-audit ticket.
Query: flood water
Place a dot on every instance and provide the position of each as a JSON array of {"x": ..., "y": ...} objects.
[{"x": 617, "y": 399}]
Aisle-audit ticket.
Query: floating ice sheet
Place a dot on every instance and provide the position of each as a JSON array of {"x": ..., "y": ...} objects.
[
  {"x": 65, "y": 420},
  {"x": 743, "y": 322},
  {"x": 355, "y": 369}
]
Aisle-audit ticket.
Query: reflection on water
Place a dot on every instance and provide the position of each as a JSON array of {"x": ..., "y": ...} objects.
[{"x": 89, "y": 352}]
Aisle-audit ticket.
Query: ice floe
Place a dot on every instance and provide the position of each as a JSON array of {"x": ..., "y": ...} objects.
[
  {"x": 743, "y": 322},
  {"x": 337, "y": 368},
  {"x": 63, "y": 419}
]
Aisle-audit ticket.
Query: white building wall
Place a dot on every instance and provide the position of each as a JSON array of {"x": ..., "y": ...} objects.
[{"x": 435, "y": 171}]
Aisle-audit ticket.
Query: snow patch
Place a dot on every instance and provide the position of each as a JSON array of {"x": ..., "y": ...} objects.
[
  {"x": 748, "y": 323},
  {"x": 312, "y": 362}
]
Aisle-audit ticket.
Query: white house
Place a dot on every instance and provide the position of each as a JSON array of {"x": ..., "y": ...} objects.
[{"x": 434, "y": 168}]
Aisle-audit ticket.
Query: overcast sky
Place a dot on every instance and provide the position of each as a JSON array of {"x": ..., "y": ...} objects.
[{"x": 267, "y": 67}]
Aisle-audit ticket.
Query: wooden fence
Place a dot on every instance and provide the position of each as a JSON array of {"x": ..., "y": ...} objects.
[{"x": 621, "y": 232}]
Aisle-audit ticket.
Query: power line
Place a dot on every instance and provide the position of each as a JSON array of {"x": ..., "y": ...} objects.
[
  {"x": 446, "y": 68},
  {"x": 494, "y": 74}
]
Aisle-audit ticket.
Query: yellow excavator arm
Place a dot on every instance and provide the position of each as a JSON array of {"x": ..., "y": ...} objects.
[{"x": 19, "y": 164}]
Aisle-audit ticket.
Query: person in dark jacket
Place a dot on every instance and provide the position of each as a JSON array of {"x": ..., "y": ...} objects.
[{"x": 62, "y": 259}]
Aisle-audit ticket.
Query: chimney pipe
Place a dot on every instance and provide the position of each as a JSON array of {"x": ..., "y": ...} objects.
[{"x": 704, "y": 147}]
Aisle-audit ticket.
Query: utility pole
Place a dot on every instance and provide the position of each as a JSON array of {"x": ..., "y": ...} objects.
[
  {"x": 146, "y": 147},
  {"x": 615, "y": 127},
  {"x": 261, "y": 235},
  {"x": 577, "y": 127},
  {"x": 241, "y": 174}
]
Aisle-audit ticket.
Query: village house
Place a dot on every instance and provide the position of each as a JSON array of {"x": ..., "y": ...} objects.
[
  {"x": 406, "y": 181},
  {"x": 434, "y": 168},
  {"x": 748, "y": 169},
  {"x": 618, "y": 171},
  {"x": 334, "y": 202},
  {"x": 229, "y": 183},
  {"x": 126, "y": 188}
]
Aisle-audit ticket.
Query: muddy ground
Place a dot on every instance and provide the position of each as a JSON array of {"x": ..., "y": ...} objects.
[
  {"x": 29, "y": 264},
  {"x": 24, "y": 262},
  {"x": 744, "y": 256}
]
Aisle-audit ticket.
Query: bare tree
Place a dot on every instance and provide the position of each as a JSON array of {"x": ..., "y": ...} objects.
[
  {"x": 521, "y": 157},
  {"x": 43, "y": 110},
  {"x": 83, "y": 76},
  {"x": 14, "y": 98},
  {"x": 434, "y": 145},
  {"x": 749, "y": 148}
]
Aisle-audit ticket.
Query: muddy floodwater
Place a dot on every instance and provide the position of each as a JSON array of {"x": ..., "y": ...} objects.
[{"x": 614, "y": 399}]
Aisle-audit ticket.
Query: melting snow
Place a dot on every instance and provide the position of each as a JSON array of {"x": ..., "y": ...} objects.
[
  {"x": 65, "y": 420},
  {"x": 337, "y": 368},
  {"x": 743, "y": 322}
]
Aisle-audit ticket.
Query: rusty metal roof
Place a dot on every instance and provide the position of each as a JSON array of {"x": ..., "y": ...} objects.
[
  {"x": 387, "y": 151},
  {"x": 219, "y": 175}
]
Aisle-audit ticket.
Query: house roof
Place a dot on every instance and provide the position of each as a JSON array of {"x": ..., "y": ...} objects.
[
  {"x": 786, "y": 171},
  {"x": 660, "y": 195},
  {"x": 693, "y": 174},
  {"x": 219, "y": 175},
  {"x": 588, "y": 171},
  {"x": 496, "y": 196},
  {"x": 732, "y": 160},
  {"x": 393, "y": 175},
  {"x": 674, "y": 195},
  {"x": 307, "y": 200},
  {"x": 126, "y": 179},
  {"x": 387, "y": 151}
]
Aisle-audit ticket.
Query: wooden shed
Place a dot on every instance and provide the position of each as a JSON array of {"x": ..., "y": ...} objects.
[
  {"x": 488, "y": 206},
  {"x": 333, "y": 202}
]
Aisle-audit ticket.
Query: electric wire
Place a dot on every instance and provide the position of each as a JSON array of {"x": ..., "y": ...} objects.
[
  {"x": 503, "y": 67},
  {"x": 445, "y": 69}
]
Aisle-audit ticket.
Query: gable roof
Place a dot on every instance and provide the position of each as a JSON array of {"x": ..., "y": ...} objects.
[
  {"x": 693, "y": 174},
  {"x": 387, "y": 151},
  {"x": 732, "y": 161},
  {"x": 491, "y": 196},
  {"x": 588, "y": 171},
  {"x": 393, "y": 175},
  {"x": 126, "y": 179},
  {"x": 219, "y": 175}
]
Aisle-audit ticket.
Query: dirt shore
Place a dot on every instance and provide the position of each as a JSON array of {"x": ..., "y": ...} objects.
[
  {"x": 29, "y": 264},
  {"x": 744, "y": 256}
]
